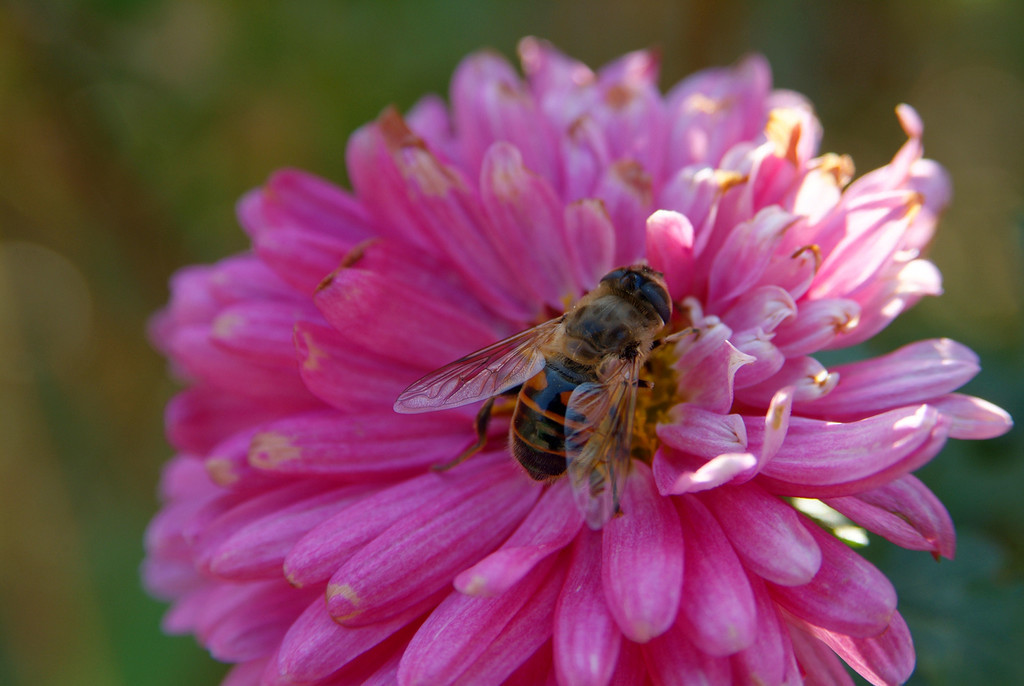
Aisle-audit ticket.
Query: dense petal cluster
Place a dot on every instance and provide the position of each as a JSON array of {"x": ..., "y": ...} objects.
[{"x": 304, "y": 535}]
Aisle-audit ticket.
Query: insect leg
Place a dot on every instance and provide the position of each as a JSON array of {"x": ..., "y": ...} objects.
[
  {"x": 483, "y": 418},
  {"x": 672, "y": 338}
]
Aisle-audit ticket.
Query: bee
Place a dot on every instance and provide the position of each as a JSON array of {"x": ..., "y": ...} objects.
[{"x": 575, "y": 378}]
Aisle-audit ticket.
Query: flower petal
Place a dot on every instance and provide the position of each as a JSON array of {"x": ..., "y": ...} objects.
[
  {"x": 670, "y": 250},
  {"x": 717, "y": 603},
  {"x": 642, "y": 559},
  {"x": 766, "y": 533},
  {"x": 905, "y": 512},
  {"x": 884, "y": 660},
  {"x": 848, "y": 595},
  {"x": 586, "y": 638},
  {"x": 551, "y": 525},
  {"x": 467, "y": 637},
  {"x": 914, "y": 373},
  {"x": 973, "y": 418},
  {"x": 420, "y": 554}
]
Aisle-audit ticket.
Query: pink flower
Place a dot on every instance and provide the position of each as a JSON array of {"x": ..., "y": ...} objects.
[{"x": 306, "y": 538}]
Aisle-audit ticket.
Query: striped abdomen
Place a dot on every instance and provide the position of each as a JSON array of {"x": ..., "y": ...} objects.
[{"x": 538, "y": 425}]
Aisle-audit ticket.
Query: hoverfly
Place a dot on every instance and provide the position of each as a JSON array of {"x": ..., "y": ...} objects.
[{"x": 576, "y": 378}]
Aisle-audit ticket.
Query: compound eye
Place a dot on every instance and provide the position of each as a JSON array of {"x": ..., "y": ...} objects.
[
  {"x": 631, "y": 282},
  {"x": 659, "y": 298}
]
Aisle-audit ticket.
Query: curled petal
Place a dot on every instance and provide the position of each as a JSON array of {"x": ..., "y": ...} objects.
[
  {"x": 905, "y": 512},
  {"x": 884, "y": 660},
  {"x": 820, "y": 453},
  {"x": 973, "y": 418},
  {"x": 914, "y": 373}
]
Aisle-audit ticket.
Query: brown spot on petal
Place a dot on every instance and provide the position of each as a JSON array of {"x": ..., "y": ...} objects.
[
  {"x": 348, "y": 593},
  {"x": 413, "y": 158},
  {"x": 270, "y": 449},
  {"x": 698, "y": 102},
  {"x": 815, "y": 251},
  {"x": 784, "y": 128},
  {"x": 224, "y": 325},
  {"x": 313, "y": 353},
  {"x": 840, "y": 167},
  {"x": 728, "y": 179},
  {"x": 619, "y": 95},
  {"x": 634, "y": 176},
  {"x": 396, "y": 132},
  {"x": 356, "y": 253},
  {"x": 221, "y": 471}
]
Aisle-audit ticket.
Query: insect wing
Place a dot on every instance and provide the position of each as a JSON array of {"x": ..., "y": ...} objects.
[
  {"x": 599, "y": 428},
  {"x": 483, "y": 374}
]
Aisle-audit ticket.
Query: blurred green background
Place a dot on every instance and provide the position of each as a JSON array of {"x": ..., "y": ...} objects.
[{"x": 128, "y": 129}]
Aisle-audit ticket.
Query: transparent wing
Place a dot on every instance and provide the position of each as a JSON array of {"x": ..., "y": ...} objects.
[
  {"x": 482, "y": 374},
  {"x": 599, "y": 428}
]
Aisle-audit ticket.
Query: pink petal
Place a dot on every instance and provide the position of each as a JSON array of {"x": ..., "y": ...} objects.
[
  {"x": 490, "y": 103},
  {"x": 848, "y": 594},
  {"x": 429, "y": 204},
  {"x": 714, "y": 109},
  {"x": 527, "y": 214},
  {"x": 915, "y": 373},
  {"x": 551, "y": 525},
  {"x": 703, "y": 433},
  {"x": 973, "y": 418},
  {"x": 586, "y": 637},
  {"x": 420, "y": 554},
  {"x": 318, "y": 554},
  {"x": 301, "y": 258},
  {"x": 200, "y": 417},
  {"x": 706, "y": 366},
  {"x": 344, "y": 380},
  {"x": 764, "y": 308},
  {"x": 465, "y": 635},
  {"x": 676, "y": 473},
  {"x": 670, "y": 250},
  {"x": 333, "y": 443},
  {"x": 873, "y": 234},
  {"x": 585, "y": 156},
  {"x": 766, "y": 660},
  {"x": 717, "y": 604},
  {"x": 673, "y": 660},
  {"x": 642, "y": 559},
  {"x": 260, "y": 331},
  {"x": 821, "y": 666},
  {"x": 363, "y": 307},
  {"x": 818, "y": 324},
  {"x": 317, "y": 646},
  {"x": 257, "y": 550},
  {"x": 904, "y": 512},
  {"x": 766, "y": 533},
  {"x": 808, "y": 378},
  {"x": 744, "y": 255},
  {"x": 884, "y": 660},
  {"x": 295, "y": 198},
  {"x": 591, "y": 241},
  {"x": 625, "y": 190},
  {"x": 232, "y": 372},
  {"x": 233, "y": 632},
  {"x": 853, "y": 450}
]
